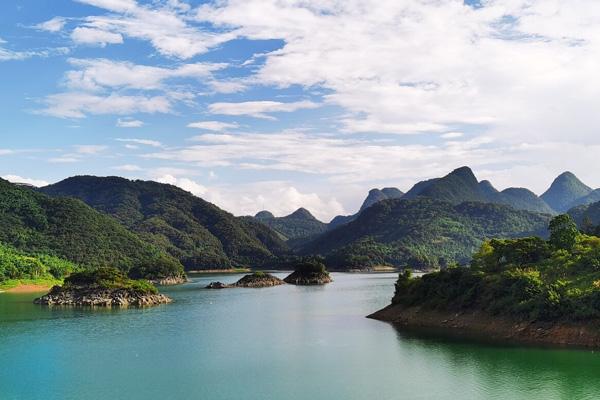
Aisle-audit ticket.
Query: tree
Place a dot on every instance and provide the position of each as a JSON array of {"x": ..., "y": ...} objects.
[{"x": 563, "y": 232}]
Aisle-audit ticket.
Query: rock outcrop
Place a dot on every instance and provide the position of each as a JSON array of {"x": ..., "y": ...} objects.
[
  {"x": 218, "y": 285},
  {"x": 258, "y": 280},
  {"x": 103, "y": 297},
  {"x": 170, "y": 281},
  {"x": 308, "y": 278}
]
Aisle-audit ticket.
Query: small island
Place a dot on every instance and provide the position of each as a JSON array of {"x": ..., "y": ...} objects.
[
  {"x": 258, "y": 279},
  {"x": 526, "y": 290},
  {"x": 105, "y": 287},
  {"x": 308, "y": 273}
]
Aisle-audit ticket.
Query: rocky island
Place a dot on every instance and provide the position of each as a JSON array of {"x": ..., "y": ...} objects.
[
  {"x": 308, "y": 273},
  {"x": 526, "y": 290},
  {"x": 105, "y": 287},
  {"x": 258, "y": 279}
]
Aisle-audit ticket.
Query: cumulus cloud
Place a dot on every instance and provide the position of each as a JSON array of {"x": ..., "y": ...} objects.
[
  {"x": 28, "y": 181},
  {"x": 279, "y": 197},
  {"x": 96, "y": 74},
  {"x": 127, "y": 168},
  {"x": 129, "y": 123},
  {"x": 165, "y": 25},
  {"x": 79, "y": 104},
  {"x": 213, "y": 125},
  {"x": 145, "y": 142},
  {"x": 55, "y": 24},
  {"x": 259, "y": 109},
  {"x": 95, "y": 36}
]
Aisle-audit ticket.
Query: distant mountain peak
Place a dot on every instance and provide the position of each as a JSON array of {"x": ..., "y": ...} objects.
[
  {"x": 302, "y": 213},
  {"x": 465, "y": 173},
  {"x": 262, "y": 215},
  {"x": 564, "y": 190}
]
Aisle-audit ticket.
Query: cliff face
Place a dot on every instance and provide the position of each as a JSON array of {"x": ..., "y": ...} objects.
[{"x": 480, "y": 325}]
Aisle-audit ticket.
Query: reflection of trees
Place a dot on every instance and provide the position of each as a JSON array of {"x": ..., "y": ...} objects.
[{"x": 505, "y": 371}]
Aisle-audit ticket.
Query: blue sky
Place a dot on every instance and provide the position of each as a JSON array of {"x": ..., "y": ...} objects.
[{"x": 266, "y": 104}]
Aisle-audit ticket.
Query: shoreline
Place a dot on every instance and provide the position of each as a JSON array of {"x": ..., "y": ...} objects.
[
  {"x": 27, "y": 288},
  {"x": 220, "y": 271},
  {"x": 481, "y": 326},
  {"x": 28, "y": 285}
]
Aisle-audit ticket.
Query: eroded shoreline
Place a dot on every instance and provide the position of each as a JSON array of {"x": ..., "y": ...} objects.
[{"x": 479, "y": 325}]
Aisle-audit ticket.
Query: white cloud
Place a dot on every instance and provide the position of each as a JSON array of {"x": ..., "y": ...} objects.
[
  {"x": 78, "y": 104},
  {"x": 90, "y": 149},
  {"x": 127, "y": 168},
  {"x": 452, "y": 135},
  {"x": 96, "y": 74},
  {"x": 213, "y": 125},
  {"x": 129, "y": 123},
  {"x": 259, "y": 109},
  {"x": 279, "y": 197},
  {"x": 165, "y": 25},
  {"x": 64, "y": 160},
  {"x": 55, "y": 24},
  {"x": 29, "y": 181},
  {"x": 95, "y": 36},
  {"x": 145, "y": 142}
]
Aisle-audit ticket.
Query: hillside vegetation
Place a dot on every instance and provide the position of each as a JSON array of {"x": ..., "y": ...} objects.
[
  {"x": 421, "y": 233},
  {"x": 199, "y": 234},
  {"x": 528, "y": 278}
]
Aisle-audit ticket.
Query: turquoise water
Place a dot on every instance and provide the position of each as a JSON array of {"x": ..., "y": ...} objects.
[{"x": 284, "y": 342}]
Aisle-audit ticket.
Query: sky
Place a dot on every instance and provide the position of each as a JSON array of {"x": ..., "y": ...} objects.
[{"x": 280, "y": 104}]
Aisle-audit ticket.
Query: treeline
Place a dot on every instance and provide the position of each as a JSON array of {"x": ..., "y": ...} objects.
[{"x": 528, "y": 278}]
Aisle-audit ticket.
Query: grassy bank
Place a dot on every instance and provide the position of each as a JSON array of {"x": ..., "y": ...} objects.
[{"x": 16, "y": 285}]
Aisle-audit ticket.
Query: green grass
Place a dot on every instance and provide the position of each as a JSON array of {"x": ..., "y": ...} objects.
[{"x": 13, "y": 283}]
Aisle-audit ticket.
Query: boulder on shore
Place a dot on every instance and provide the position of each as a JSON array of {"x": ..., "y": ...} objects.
[{"x": 258, "y": 280}]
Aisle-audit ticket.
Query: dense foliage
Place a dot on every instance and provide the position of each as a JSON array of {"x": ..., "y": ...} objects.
[
  {"x": 196, "y": 232},
  {"x": 108, "y": 278},
  {"x": 421, "y": 233},
  {"x": 17, "y": 265},
  {"x": 527, "y": 278},
  {"x": 67, "y": 228}
]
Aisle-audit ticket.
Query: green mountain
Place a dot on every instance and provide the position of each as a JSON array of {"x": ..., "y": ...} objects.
[
  {"x": 37, "y": 224},
  {"x": 564, "y": 192},
  {"x": 297, "y": 226},
  {"x": 422, "y": 233},
  {"x": 586, "y": 215},
  {"x": 374, "y": 196},
  {"x": 461, "y": 185},
  {"x": 198, "y": 233}
]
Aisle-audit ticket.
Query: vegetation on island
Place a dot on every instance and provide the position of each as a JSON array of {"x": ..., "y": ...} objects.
[
  {"x": 107, "y": 278},
  {"x": 527, "y": 278},
  {"x": 310, "y": 271}
]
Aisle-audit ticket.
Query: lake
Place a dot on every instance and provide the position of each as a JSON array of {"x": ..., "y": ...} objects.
[{"x": 283, "y": 342}]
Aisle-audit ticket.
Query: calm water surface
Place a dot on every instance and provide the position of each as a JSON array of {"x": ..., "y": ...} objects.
[{"x": 284, "y": 342}]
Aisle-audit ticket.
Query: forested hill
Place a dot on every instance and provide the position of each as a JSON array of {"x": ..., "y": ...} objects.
[
  {"x": 300, "y": 224},
  {"x": 38, "y": 224},
  {"x": 461, "y": 185},
  {"x": 198, "y": 233},
  {"x": 421, "y": 233}
]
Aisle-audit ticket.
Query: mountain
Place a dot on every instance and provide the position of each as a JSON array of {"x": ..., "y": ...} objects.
[
  {"x": 564, "y": 191},
  {"x": 198, "y": 233},
  {"x": 590, "y": 198},
  {"x": 300, "y": 224},
  {"x": 422, "y": 232},
  {"x": 523, "y": 199},
  {"x": 34, "y": 223},
  {"x": 586, "y": 214},
  {"x": 458, "y": 186},
  {"x": 374, "y": 196},
  {"x": 461, "y": 185}
]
